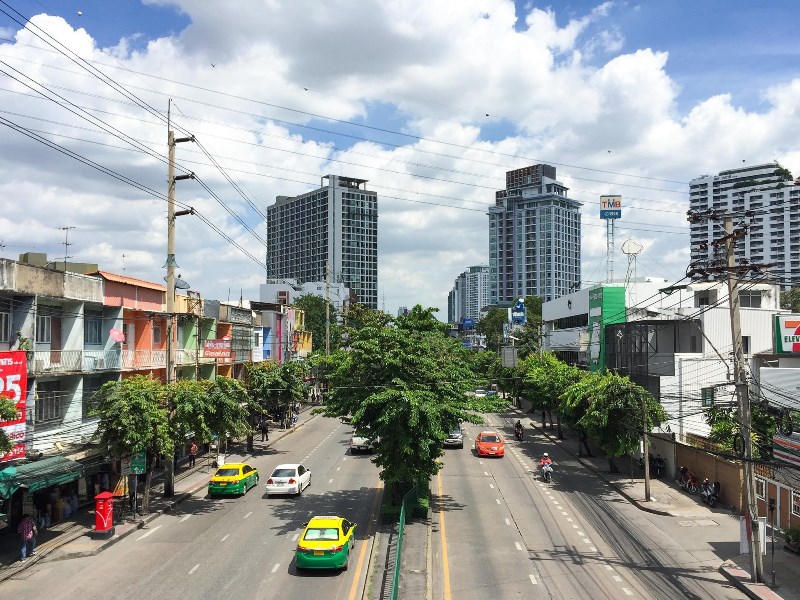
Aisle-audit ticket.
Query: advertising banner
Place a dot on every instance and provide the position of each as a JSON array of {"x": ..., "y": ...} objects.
[
  {"x": 787, "y": 334},
  {"x": 610, "y": 206},
  {"x": 14, "y": 385},
  {"x": 217, "y": 348}
]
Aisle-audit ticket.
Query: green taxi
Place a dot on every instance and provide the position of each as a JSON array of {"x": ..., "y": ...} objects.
[
  {"x": 233, "y": 478},
  {"x": 326, "y": 543}
]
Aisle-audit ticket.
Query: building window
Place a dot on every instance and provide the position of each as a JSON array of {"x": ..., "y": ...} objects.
[
  {"x": 796, "y": 503},
  {"x": 707, "y": 397},
  {"x": 5, "y": 326},
  {"x": 91, "y": 385},
  {"x": 92, "y": 328},
  {"x": 156, "y": 335},
  {"x": 746, "y": 344},
  {"x": 750, "y": 299},
  {"x": 48, "y": 401},
  {"x": 761, "y": 488},
  {"x": 43, "y": 326}
]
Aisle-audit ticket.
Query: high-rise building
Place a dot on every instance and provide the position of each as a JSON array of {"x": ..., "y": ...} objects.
[
  {"x": 774, "y": 233},
  {"x": 469, "y": 295},
  {"x": 534, "y": 237},
  {"x": 336, "y": 224}
]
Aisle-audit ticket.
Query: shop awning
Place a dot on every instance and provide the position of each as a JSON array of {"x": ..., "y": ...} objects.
[{"x": 39, "y": 475}]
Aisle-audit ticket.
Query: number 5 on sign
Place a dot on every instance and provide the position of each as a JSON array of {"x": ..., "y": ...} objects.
[{"x": 11, "y": 384}]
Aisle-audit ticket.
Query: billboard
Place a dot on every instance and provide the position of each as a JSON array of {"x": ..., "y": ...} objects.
[
  {"x": 610, "y": 206},
  {"x": 787, "y": 334},
  {"x": 518, "y": 312},
  {"x": 14, "y": 385},
  {"x": 217, "y": 348},
  {"x": 606, "y": 306}
]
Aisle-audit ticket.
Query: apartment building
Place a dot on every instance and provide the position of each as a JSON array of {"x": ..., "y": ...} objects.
[{"x": 469, "y": 295}]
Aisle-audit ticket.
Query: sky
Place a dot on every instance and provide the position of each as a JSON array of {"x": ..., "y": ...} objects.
[{"x": 432, "y": 102}]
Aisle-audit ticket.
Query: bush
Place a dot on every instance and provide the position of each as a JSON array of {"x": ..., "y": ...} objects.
[{"x": 792, "y": 535}]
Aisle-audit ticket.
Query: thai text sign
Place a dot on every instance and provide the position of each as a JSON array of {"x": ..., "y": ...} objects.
[
  {"x": 216, "y": 348},
  {"x": 14, "y": 385}
]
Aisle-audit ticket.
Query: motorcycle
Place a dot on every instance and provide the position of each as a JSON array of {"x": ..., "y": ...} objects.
[
  {"x": 657, "y": 465},
  {"x": 547, "y": 473},
  {"x": 688, "y": 481},
  {"x": 709, "y": 492},
  {"x": 519, "y": 433}
]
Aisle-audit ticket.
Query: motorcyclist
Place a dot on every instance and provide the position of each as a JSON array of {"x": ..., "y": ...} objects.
[
  {"x": 518, "y": 430},
  {"x": 546, "y": 464},
  {"x": 545, "y": 460}
]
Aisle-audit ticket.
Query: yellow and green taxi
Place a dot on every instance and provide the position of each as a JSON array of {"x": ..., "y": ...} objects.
[
  {"x": 233, "y": 478},
  {"x": 326, "y": 543}
]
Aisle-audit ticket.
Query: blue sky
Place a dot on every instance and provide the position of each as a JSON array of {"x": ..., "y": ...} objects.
[{"x": 622, "y": 97}]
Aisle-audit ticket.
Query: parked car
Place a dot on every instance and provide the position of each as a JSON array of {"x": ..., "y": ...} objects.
[
  {"x": 326, "y": 543},
  {"x": 233, "y": 478},
  {"x": 489, "y": 443},
  {"x": 288, "y": 479},
  {"x": 359, "y": 442}
]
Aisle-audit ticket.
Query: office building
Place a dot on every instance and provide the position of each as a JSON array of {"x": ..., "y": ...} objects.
[
  {"x": 469, "y": 295},
  {"x": 335, "y": 225},
  {"x": 774, "y": 233},
  {"x": 534, "y": 237}
]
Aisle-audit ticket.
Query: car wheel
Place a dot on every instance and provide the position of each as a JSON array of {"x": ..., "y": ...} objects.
[{"x": 299, "y": 489}]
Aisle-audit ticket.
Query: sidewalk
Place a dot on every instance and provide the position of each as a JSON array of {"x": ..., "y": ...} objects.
[
  {"x": 72, "y": 538},
  {"x": 666, "y": 498}
]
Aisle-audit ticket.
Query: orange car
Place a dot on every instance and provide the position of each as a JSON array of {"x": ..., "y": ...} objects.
[{"x": 489, "y": 443}]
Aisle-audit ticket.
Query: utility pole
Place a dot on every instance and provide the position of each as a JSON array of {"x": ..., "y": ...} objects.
[
  {"x": 169, "y": 467},
  {"x": 743, "y": 395},
  {"x": 327, "y": 308},
  {"x": 645, "y": 452},
  {"x": 66, "y": 245}
]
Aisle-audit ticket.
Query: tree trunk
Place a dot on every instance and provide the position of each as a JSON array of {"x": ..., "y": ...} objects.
[
  {"x": 146, "y": 493},
  {"x": 550, "y": 414},
  {"x": 558, "y": 425},
  {"x": 612, "y": 466}
]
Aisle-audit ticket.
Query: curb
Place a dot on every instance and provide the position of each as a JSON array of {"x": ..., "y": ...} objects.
[{"x": 741, "y": 579}]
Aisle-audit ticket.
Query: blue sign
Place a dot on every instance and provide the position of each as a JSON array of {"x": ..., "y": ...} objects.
[
  {"x": 468, "y": 323},
  {"x": 611, "y": 214},
  {"x": 518, "y": 312}
]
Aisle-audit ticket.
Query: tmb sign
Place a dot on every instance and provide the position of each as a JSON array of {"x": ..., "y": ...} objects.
[{"x": 610, "y": 207}]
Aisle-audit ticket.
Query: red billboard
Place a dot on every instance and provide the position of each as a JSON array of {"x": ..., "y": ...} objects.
[
  {"x": 217, "y": 348},
  {"x": 14, "y": 385}
]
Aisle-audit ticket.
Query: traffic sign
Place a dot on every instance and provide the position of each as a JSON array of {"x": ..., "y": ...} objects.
[{"x": 138, "y": 463}]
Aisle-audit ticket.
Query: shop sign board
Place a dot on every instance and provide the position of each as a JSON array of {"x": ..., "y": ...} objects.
[
  {"x": 610, "y": 206},
  {"x": 217, "y": 348},
  {"x": 14, "y": 385}
]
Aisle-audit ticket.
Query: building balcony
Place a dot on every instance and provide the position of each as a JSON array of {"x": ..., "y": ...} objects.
[
  {"x": 73, "y": 361},
  {"x": 134, "y": 360}
]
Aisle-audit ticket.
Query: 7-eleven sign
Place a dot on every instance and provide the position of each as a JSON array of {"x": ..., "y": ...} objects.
[{"x": 787, "y": 334}]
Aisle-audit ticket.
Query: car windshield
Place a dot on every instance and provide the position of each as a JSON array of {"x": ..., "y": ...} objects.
[
  {"x": 284, "y": 473},
  {"x": 226, "y": 473},
  {"x": 490, "y": 438},
  {"x": 323, "y": 533}
]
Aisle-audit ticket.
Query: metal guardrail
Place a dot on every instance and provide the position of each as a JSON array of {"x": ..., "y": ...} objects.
[{"x": 398, "y": 553}]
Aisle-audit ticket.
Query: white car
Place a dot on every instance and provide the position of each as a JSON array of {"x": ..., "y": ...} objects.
[{"x": 288, "y": 479}]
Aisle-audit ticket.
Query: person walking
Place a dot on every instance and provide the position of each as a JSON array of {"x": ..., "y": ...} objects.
[
  {"x": 192, "y": 454},
  {"x": 27, "y": 533},
  {"x": 263, "y": 427}
]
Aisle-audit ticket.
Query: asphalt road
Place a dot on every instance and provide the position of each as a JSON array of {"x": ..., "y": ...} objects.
[
  {"x": 500, "y": 532},
  {"x": 232, "y": 547}
]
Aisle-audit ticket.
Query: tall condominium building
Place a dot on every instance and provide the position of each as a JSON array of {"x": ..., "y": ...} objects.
[
  {"x": 469, "y": 295},
  {"x": 336, "y": 224},
  {"x": 534, "y": 237},
  {"x": 774, "y": 233}
]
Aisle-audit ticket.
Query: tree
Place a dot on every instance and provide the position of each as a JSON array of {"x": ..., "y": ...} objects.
[
  {"x": 403, "y": 383},
  {"x": 315, "y": 317},
  {"x": 544, "y": 380},
  {"x": 133, "y": 418},
  {"x": 492, "y": 327},
  {"x": 274, "y": 388},
  {"x": 609, "y": 408},
  {"x": 790, "y": 300},
  {"x": 8, "y": 410},
  {"x": 228, "y": 408}
]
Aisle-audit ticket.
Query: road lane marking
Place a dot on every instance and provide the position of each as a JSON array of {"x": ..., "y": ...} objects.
[
  {"x": 373, "y": 518},
  {"x": 497, "y": 500},
  {"x": 330, "y": 481},
  {"x": 337, "y": 468},
  {"x": 533, "y": 579},
  {"x": 580, "y": 533},
  {"x": 491, "y": 485},
  {"x": 517, "y": 544},
  {"x": 227, "y": 535},
  {"x": 194, "y": 568},
  {"x": 248, "y": 514},
  {"x": 152, "y": 531},
  {"x": 617, "y": 578},
  {"x": 587, "y": 541},
  {"x": 569, "y": 519},
  {"x": 276, "y": 567},
  {"x": 508, "y": 522},
  {"x": 565, "y": 513},
  {"x": 184, "y": 518},
  {"x": 486, "y": 473},
  {"x": 627, "y": 592},
  {"x": 609, "y": 568},
  {"x": 295, "y": 536},
  {"x": 592, "y": 549},
  {"x": 443, "y": 537},
  {"x": 556, "y": 503}
]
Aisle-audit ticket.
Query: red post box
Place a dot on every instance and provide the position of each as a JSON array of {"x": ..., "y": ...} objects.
[{"x": 103, "y": 516}]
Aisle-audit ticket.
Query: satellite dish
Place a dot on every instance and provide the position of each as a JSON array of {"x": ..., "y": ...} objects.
[{"x": 180, "y": 283}]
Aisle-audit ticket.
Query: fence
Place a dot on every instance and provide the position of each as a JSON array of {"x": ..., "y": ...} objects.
[{"x": 399, "y": 551}]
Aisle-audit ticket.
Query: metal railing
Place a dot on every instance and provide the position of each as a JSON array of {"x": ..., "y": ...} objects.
[
  {"x": 399, "y": 552},
  {"x": 144, "y": 359}
]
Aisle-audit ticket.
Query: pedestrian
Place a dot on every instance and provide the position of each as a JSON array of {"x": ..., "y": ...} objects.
[
  {"x": 27, "y": 532},
  {"x": 263, "y": 427},
  {"x": 192, "y": 454}
]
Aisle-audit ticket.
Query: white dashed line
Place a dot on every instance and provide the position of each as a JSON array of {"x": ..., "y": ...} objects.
[
  {"x": 609, "y": 568},
  {"x": 184, "y": 518},
  {"x": 152, "y": 531},
  {"x": 491, "y": 485},
  {"x": 587, "y": 541},
  {"x": 338, "y": 468},
  {"x": 617, "y": 578},
  {"x": 330, "y": 481},
  {"x": 569, "y": 519},
  {"x": 194, "y": 568},
  {"x": 227, "y": 535},
  {"x": 565, "y": 513},
  {"x": 518, "y": 546},
  {"x": 486, "y": 473},
  {"x": 592, "y": 549},
  {"x": 497, "y": 500},
  {"x": 247, "y": 515},
  {"x": 295, "y": 536},
  {"x": 556, "y": 503},
  {"x": 533, "y": 579},
  {"x": 627, "y": 592},
  {"x": 574, "y": 526},
  {"x": 276, "y": 567},
  {"x": 580, "y": 533}
]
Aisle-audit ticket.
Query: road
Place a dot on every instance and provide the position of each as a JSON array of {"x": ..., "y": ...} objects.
[
  {"x": 500, "y": 532},
  {"x": 232, "y": 547}
]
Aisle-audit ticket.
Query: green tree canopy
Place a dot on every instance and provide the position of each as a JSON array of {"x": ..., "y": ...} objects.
[
  {"x": 491, "y": 326},
  {"x": 315, "y": 318},
  {"x": 544, "y": 380},
  {"x": 790, "y": 300},
  {"x": 229, "y": 405}
]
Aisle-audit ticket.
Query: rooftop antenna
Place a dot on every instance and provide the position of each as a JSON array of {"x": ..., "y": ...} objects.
[
  {"x": 66, "y": 245},
  {"x": 631, "y": 249}
]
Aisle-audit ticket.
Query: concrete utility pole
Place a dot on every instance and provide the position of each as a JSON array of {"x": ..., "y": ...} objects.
[
  {"x": 743, "y": 395},
  {"x": 645, "y": 452},
  {"x": 169, "y": 466},
  {"x": 327, "y": 308}
]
